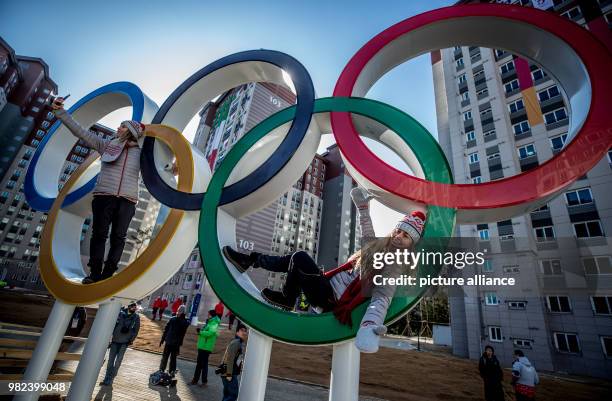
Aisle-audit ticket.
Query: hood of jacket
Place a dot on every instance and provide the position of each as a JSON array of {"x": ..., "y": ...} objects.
[{"x": 524, "y": 361}]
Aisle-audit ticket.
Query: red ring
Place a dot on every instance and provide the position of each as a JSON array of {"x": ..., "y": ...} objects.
[{"x": 588, "y": 147}]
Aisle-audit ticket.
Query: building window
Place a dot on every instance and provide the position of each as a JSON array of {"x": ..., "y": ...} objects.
[
  {"x": 538, "y": 74},
  {"x": 602, "y": 305},
  {"x": 470, "y": 136},
  {"x": 567, "y": 342},
  {"x": 467, "y": 116},
  {"x": 511, "y": 86},
  {"x": 485, "y": 111},
  {"x": 548, "y": 93},
  {"x": 521, "y": 343},
  {"x": 516, "y": 106},
  {"x": 579, "y": 197},
  {"x": 586, "y": 229},
  {"x": 521, "y": 127},
  {"x": 465, "y": 96},
  {"x": 495, "y": 334},
  {"x": 491, "y": 298},
  {"x": 597, "y": 265},
  {"x": 482, "y": 93},
  {"x": 487, "y": 266},
  {"x": 550, "y": 267},
  {"x": 558, "y": 304},
  {"x": 518, "y": 305},
  {"x": 461, "y": 79},
  {"x": 459, "y": 63},
  {"x": 35, "y": 109},
  {"x": 489, "y": 133},
  {"x": 606, "y": 345},
  {"x": 573, "y": 13},
  {"x": 544, "y": 233},
  {"x": 473, "y": 157},
  {"x": 483, "y": 234},
  {"x": 526, "y": 151},
  {"x": 557, "y": 142},
  {"x": 555, "y": 116},
  {"x": 507, "y": 67},
  {"x": 477, "y": 180},
  {"x": 492, "y": 156}
]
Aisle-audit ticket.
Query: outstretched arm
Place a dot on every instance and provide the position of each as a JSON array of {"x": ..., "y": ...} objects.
[
  {"x": 76, "y": 129},
  {"x": 361, "y": 199}
]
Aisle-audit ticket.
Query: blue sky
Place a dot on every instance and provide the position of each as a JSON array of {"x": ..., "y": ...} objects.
[{"x": 157, "y": 44}]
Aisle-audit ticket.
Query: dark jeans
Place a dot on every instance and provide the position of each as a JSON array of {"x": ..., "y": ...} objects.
[
  {"x": 230, "y": 388},
  {"x": 303, "y": 274},
  {"x": 115, "y": 357},
  {"x": 202, "y": 366},
  {"x": 171, "y": 351},
  {"x": 108, "y": 212}
]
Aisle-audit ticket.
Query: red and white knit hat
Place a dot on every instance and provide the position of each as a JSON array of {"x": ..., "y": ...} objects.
[
  {"x": 412, "y": 224},
  {"x": 136, "y": 128}
]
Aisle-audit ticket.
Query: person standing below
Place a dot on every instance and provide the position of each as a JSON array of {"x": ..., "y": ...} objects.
[
  {"x": 231, "y": 317},
  {"x": 207, "y": 337},
  {"x": 156, "y": 306},
  {"x": 162, "y": 307},
  {"x": 79, "y": 318},
  {"x": 219, "y": 308},
  {"x": 116, "y": 192},
  {"x": 176, "y": 304},
  {"x": 233, "y": 360},
  {"x": 492, "y": 375},
  {"x": 125, "y": 332},
  {"x": 524, "y": 377},
  {"x": 173, "y": 336}
]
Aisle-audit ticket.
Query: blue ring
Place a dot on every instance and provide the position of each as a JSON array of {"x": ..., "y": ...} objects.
[
  {"x": 42, "y": 203},
  {"x": 305, "y": 105}
]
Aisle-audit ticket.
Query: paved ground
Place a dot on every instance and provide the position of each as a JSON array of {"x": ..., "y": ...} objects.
[{"x": 132, "y": 384}]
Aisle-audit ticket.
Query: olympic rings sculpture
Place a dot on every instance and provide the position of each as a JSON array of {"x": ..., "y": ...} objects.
[{"x": 273, "y": 155}]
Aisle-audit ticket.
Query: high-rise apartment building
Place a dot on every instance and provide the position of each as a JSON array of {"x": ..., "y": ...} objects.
[
  {"x": 339, "y": 231},
  {"x": 500, "y": 115}
]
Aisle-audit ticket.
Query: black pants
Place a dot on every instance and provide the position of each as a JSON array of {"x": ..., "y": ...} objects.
[
  {"x": 493, "y": 390},
  {"x": 108, "y": 212},
  {"x": 202, "y": 366},
  {"x": 303, "y": 274},
  {"x": 171, "y": 351}
]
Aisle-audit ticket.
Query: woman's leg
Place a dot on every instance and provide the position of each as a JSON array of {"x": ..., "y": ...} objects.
[
  {"x": 304, "y": 275},
  {"x": 122, "y": 217},
  {"x": 243, "y": 261},
  {"x": 102, "y": 215}
]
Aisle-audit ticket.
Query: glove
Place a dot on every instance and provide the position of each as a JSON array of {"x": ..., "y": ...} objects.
[
  {"x": 361, "y": 197},
  {"x": 368, "y": 337}
]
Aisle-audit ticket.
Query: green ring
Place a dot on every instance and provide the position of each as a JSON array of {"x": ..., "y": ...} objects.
[{"x": 307, "y": 329}]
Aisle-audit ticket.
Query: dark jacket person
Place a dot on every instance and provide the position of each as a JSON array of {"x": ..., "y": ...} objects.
[
  {"x": 125, "y": 332},
  {"x": 492, "y": 375},
  {"x": 174, "y": 332}
]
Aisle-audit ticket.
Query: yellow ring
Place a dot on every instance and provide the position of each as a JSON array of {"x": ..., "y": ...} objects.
[{"x": 79, "y": 294}]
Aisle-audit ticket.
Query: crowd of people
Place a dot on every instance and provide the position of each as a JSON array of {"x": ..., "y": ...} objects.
[
  {"x": 127, "y": 327},
  {"x": 524, "y": 376}
]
